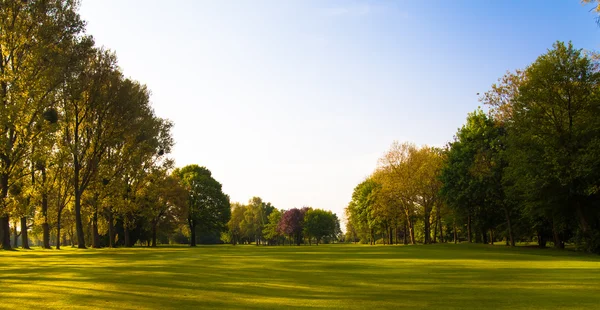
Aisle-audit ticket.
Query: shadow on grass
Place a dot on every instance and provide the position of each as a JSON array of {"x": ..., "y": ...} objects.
[{"x": 336, "y": 276}]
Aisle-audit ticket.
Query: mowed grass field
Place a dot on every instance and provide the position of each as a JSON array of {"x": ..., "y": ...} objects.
[{"x": 445, "y": 276}]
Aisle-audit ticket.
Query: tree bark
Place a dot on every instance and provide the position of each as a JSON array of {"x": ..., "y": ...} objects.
[
  {"x": 45, "y": 225},
  {"x": 95, "y": 234},
  {"x": 435, "y": 228},
  {"x": 427, "y": 227},
  {"x": 78, "y": 219},
  {"x": 454, "y": 231},
  {"x": 15, "y": 236},
  {"x": 58, "y": 230},
  {"x": 405, "y": 235},
  {"x": 24, "y": 236},
  {"x": 154, "y": 226},
  {"x": 469, "y": 232},
  {"x": 509, "y": 226},
  {"x": 4, "y": 221},
  {"x": 192, "y": 233},
  {"x": 111, "y": 228},
  {"x": 558, "y": 243},
  {"x": 126, "y": 237}
]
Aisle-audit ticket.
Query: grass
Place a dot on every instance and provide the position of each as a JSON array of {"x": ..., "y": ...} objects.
[{"x": 445, "y": 276}]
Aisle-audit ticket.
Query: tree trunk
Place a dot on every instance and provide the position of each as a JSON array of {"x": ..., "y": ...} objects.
[
  {"x": 127, "y": 241},
  {"x": 411, "y": 231},
  {"x": 4, "y": 221},
  {"x": 45, "y": 225},
  {"x": 435, "y": 228},
  {"x": 58, "y": 230},
  {"x": 78, "y": 219},
  {"x": 154, "y": 226},
  {"x": 95, "y": 234},
  {"x": 442, "y": 238},
  {"x": 509, "y": 226},
  {"x": 15, "y": 236},
  {"x": 405, "y": 235},
  {"x": 491, "y": 236},
  {"x": 193, "y": 233},
  {"x": 427, "y": 227},
  {"x": 111, "y": 228},
  {"x": 24, "y": 236},
  {"x": 558, "y": 243},
  {"x": 454, "y": 231},
  {"x": 469, "y": 232}
]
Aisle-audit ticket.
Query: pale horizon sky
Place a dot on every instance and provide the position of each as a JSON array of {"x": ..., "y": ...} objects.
[{"x": 295, "y": 101}]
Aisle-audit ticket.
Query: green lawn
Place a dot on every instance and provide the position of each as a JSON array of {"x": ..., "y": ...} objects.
[{"x": 334, "y": 276}]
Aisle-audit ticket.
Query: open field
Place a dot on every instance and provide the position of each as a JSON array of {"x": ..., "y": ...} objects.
[{"x": 335, "y": 276}]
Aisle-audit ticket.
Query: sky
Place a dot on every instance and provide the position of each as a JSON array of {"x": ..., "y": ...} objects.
[{"x": 295, "y": 101}]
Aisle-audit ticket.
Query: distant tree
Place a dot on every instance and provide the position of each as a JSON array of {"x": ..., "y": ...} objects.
[
  {"x": 271, "y": 233},
  {"x": 320, "y": 223},
  {"x": 234, "y": 223},
  {"x": 291, "y": 225}
]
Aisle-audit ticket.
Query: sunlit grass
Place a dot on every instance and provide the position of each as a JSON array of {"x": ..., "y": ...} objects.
[{"x": 334, "y": 276}]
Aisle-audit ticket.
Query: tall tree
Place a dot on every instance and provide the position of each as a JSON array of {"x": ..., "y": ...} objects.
[
  {"x": 34, "y": 36},
  {"x": 554, "y": 142}
]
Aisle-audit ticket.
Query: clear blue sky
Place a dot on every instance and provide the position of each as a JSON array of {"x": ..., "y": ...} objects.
[{"x": 294, "y": 101}]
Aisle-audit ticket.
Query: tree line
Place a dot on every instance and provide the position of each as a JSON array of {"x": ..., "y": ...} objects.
[
  {"x": 83, "y": 156},
  {"x": 260, "y": 222},
  {"x": 526, "y": 170}
]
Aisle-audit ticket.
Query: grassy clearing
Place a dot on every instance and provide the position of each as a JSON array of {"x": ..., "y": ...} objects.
[{"x": 334, "y": 276}]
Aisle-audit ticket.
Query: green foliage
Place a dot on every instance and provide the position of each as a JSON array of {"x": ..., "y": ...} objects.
[{"x": 207, "y": 207}]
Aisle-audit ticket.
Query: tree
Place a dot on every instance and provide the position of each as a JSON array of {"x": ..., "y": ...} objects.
[
  {"x": 271, "y": 233},
  {"x": 291, "y": 225},
  {"x": 207, "y": 205},
  {"x": 319, "y": 223},
  {"x": 472, "y": 175},
  {"x": 554, "y": 143},
  {"x": 34, "y": 36}
]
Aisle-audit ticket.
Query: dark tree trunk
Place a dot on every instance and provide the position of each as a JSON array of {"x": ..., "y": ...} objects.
[
  {"x": 58, "y": 230},
  {"x": 435, "y": 228},
  {"x": 509, "y": 226},
  {"x": 405, "y": 235},
  {"x": 469, "y": 231},
  {"x": 24, "y": 235},
  {"x": 454, "y": 231},
  {"x": 491, "y": 236},
  {"x": 45, "y": 225},
  {"x": 154, "y": 226},
  {"x": 427, "y": 228},
  {"x": 127, "y": 241},
  {"x": 78, "y": 219},
  {"x": 442, "y": 237},
  {"x": 558, "y": 242},
  {"x": 541, "y": 240},
  {"x": 111, "y": 228},
  {"x": 4, "y": 221},
  {"x": 193, "y": 234},
  {"x": 95, "y": 234},
  {"x": 391, "y": 235},
  {"x": 15, "y": 236}
]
